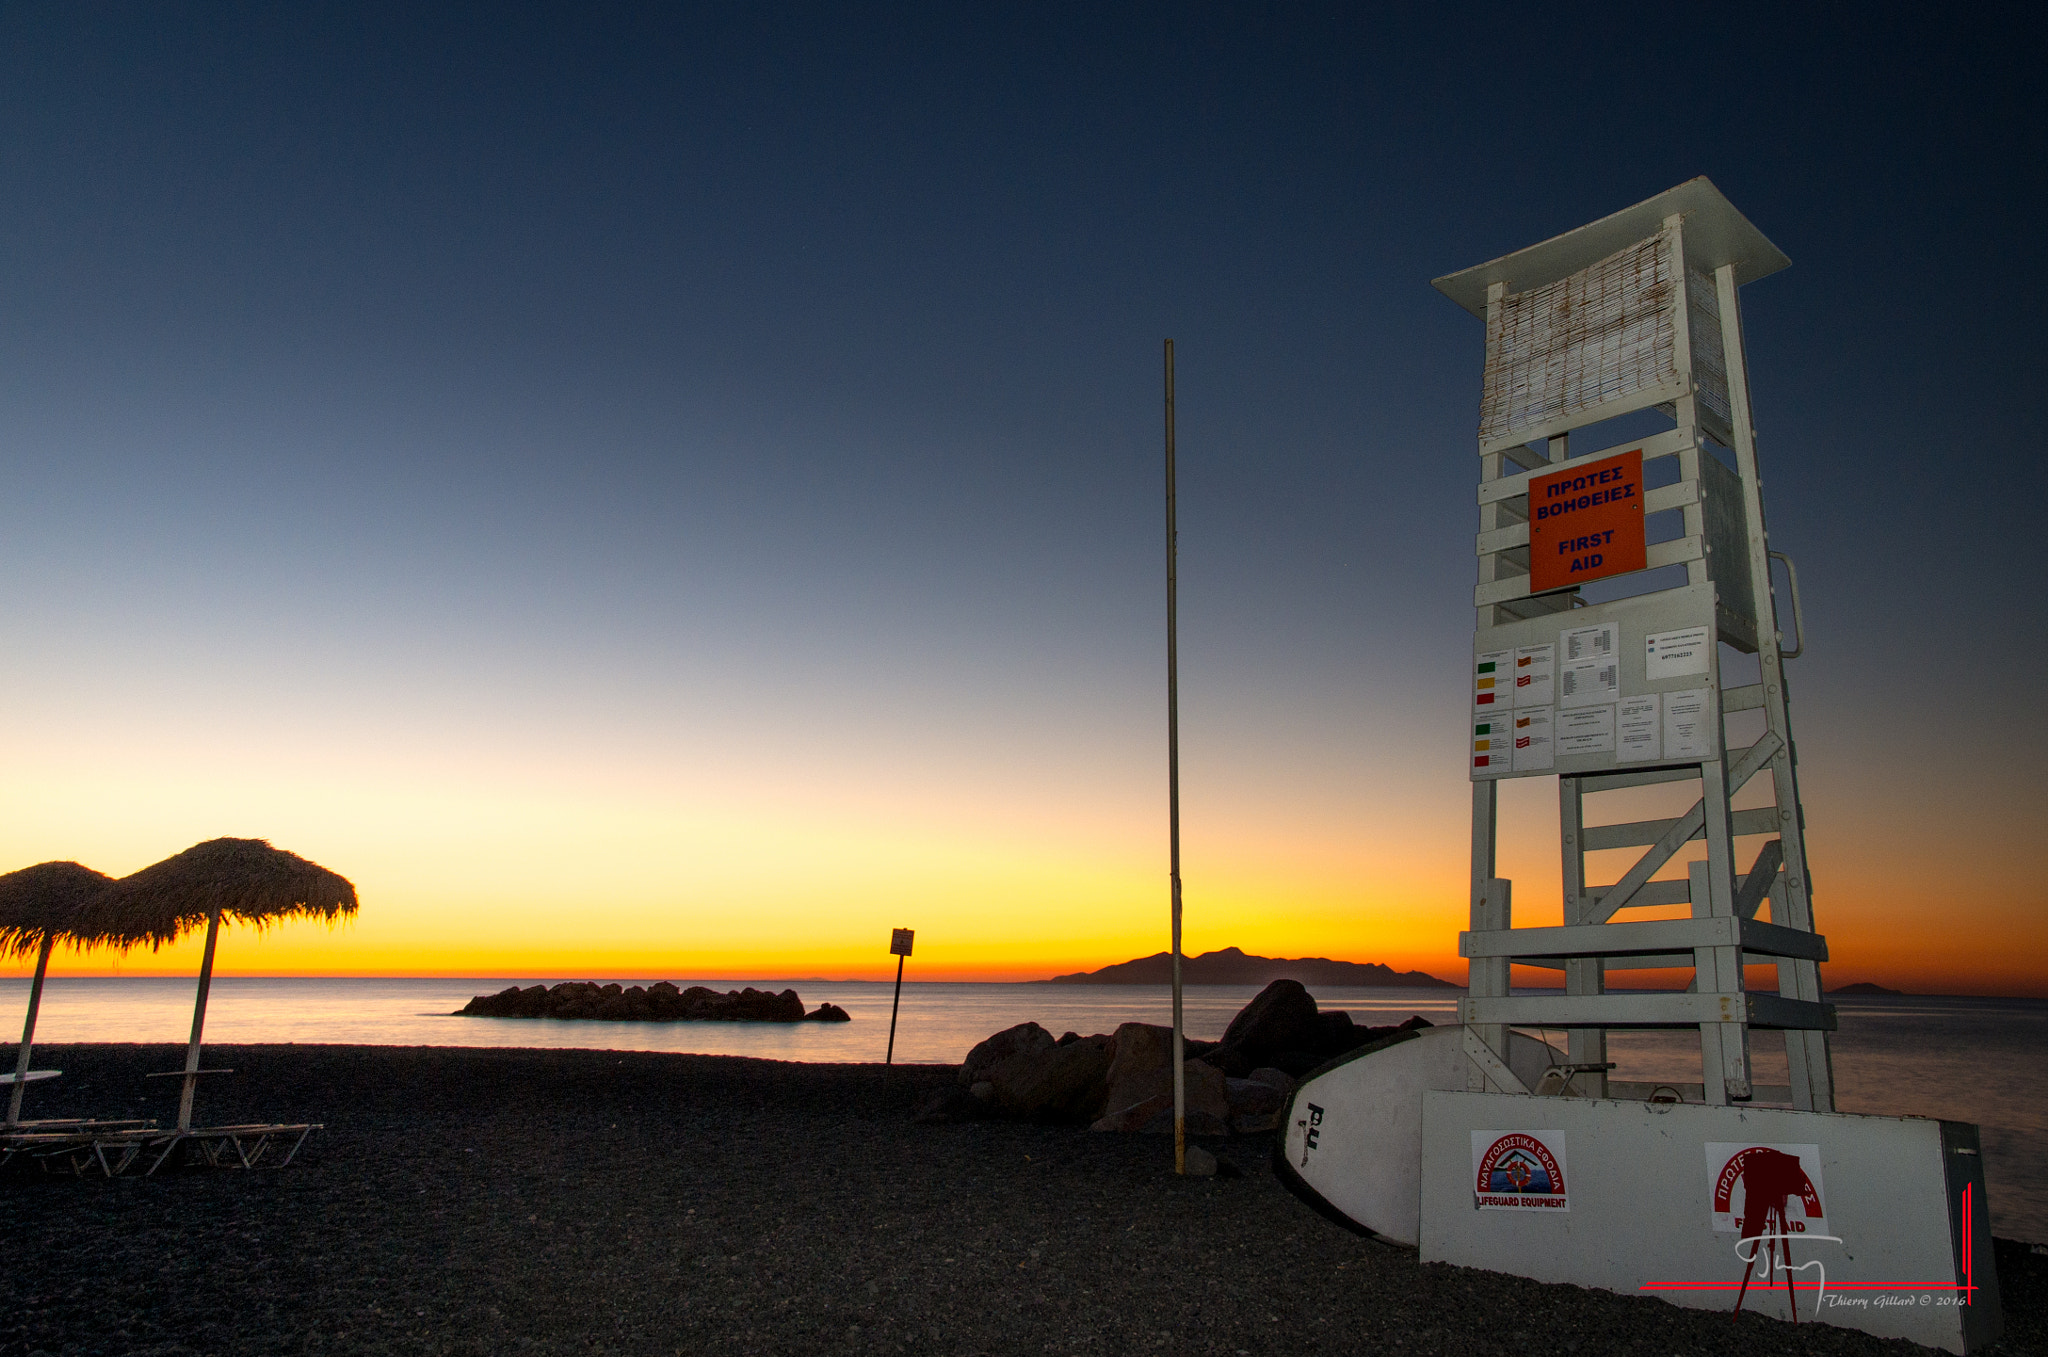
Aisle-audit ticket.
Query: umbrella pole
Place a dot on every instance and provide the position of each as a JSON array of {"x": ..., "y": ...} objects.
[
  {"x": 28, "y": 1029},
  {"x": 198, "y": 1023}
]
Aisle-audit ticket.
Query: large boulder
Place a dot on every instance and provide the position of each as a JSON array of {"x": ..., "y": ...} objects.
[
  {"x": 1255, "y": 1105},
  {"x": 1208, "y": 1103},
  {"x": 1282, "y": 1018},
  {"x": 1336, "y": 1033},
  {"x": 1061, "y": 1083},
  {"x": 1025, "y": 1036},
  {"x": 1143, "y": 1064},
  {"x": 1279, "y": 1079},
  {"x": 1232, "y": 1061},
  {"x": 1298, "y": 1063}
]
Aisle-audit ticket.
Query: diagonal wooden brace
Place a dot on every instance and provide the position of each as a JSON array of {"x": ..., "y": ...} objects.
[
  {"x": 1681, "y": 831},
  {"x": 1757, "y": 885}
]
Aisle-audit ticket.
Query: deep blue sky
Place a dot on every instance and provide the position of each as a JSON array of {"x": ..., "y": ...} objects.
[{"x": 397, "y": 383}]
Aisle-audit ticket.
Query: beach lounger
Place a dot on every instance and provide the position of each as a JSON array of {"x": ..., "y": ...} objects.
[
  {"x": 80, "y": 1152},
  {"x": 230, "y": 1147},
  {"x": 114, "y": 1152},
  {"x": 41, "y": 1137}
]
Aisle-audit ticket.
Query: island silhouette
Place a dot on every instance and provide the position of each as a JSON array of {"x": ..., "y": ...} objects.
[{"x": 1232, "y": 966}]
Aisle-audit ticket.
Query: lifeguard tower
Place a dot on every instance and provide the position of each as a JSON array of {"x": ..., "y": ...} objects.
[
  {"x": 1626, "y": 686},
  {"x": 1628, "y": 638}
]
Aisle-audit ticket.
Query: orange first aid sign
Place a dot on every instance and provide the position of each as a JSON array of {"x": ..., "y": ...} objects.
[{"x": 1586, "y": 523}]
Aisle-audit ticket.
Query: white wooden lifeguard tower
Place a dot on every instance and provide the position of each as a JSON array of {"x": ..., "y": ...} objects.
[
  {"x": 1637, "y": 312},
  {"x": 1628, "y": 639}
]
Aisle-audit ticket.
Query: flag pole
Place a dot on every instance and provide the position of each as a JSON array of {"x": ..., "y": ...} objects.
[{"x": 1180, "y": 1087}]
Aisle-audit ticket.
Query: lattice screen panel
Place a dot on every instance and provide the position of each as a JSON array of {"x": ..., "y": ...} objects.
[
  {"x": 1597, "y": 337},
  {"x": 1709, "y": 360}
]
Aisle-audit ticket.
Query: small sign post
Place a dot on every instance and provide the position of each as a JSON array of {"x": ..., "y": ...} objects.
[{"x": 899, "y": 947}]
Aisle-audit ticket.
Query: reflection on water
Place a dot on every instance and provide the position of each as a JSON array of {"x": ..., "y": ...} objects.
[{"x": 1979, "y": 1060}]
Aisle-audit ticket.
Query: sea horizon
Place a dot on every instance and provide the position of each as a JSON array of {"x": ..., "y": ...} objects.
[{"x": 650, "y": 978}]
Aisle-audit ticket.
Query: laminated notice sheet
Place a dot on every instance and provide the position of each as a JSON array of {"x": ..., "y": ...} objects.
[
  {"x": 1585, "y": 730},
  {"x": 1639, "y": 730},
  {"x": 1587, "y": 643},
  {"x": 1535, "y": 676},
  {"x": 1674, "y": 654},
  {"x": 1587, "y": 683},
  {"x": 1532, "y": 739},
  {"x": 1491, "y": 684},
  {"x": 1688, "y": 733}
]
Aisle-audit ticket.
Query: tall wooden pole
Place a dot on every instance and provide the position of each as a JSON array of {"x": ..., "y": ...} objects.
[{"x": 1180, "y": 1084}]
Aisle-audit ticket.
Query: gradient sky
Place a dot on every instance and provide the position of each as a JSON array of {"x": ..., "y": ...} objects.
[{"x": 676, "y": 491}]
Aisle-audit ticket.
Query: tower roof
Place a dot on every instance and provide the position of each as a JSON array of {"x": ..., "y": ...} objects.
[{"x": 1715, "y": 234}]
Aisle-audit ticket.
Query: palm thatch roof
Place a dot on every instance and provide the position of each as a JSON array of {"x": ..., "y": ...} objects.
[
  {"x": 245, "y": 879},
  {"x": 45, "y": 898}
]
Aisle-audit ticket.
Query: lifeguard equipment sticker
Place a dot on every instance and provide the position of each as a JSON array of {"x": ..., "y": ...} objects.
[
  {"x": 1586, "y": 522},
  {"x": 1519, "y": 1171},
  {"x": 1748, "y": 1185}
]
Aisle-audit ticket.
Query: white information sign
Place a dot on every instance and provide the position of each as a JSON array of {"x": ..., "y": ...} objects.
[
  {"x": 1674, "y": 654},
  {"x": 1533, "y": 749},
  {"x": 1688, "y": 732},
  {"x": 1535, "y": 676},
  {"x": 1639, "y": 732},
  {"x": 1585, "y": 683},
  {"x": 1585, "y": 730},
  {"x": 1587, "y": 643}
]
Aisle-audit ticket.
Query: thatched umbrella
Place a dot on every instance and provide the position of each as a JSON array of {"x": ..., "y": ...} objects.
[
  {"x": 38, "y": 906},
  {"x": 240, "y": 879}
]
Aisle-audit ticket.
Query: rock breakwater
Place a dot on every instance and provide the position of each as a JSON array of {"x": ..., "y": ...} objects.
[{"x": 659, "y": 1002}]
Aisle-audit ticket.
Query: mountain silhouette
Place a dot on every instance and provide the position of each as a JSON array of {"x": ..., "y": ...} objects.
[{"x": 1232, "y": 967}]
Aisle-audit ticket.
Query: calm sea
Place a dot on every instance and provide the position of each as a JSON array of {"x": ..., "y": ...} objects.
[{"x": 1978, "y": 1060}]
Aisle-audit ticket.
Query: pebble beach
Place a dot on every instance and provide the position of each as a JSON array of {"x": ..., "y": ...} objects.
[{"x": 493, "y": 1201}]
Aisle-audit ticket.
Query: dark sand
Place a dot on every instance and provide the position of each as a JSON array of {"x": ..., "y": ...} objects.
[{"x": 508, "y": 1201}]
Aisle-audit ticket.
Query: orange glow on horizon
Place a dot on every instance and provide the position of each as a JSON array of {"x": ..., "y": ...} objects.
[{"x": 756, "y": 864}]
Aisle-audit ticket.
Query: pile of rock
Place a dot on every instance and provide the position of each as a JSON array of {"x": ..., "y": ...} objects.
[
  {"x": 1124, "y": 1082},
  {"x": 660, "y": 1002}
]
